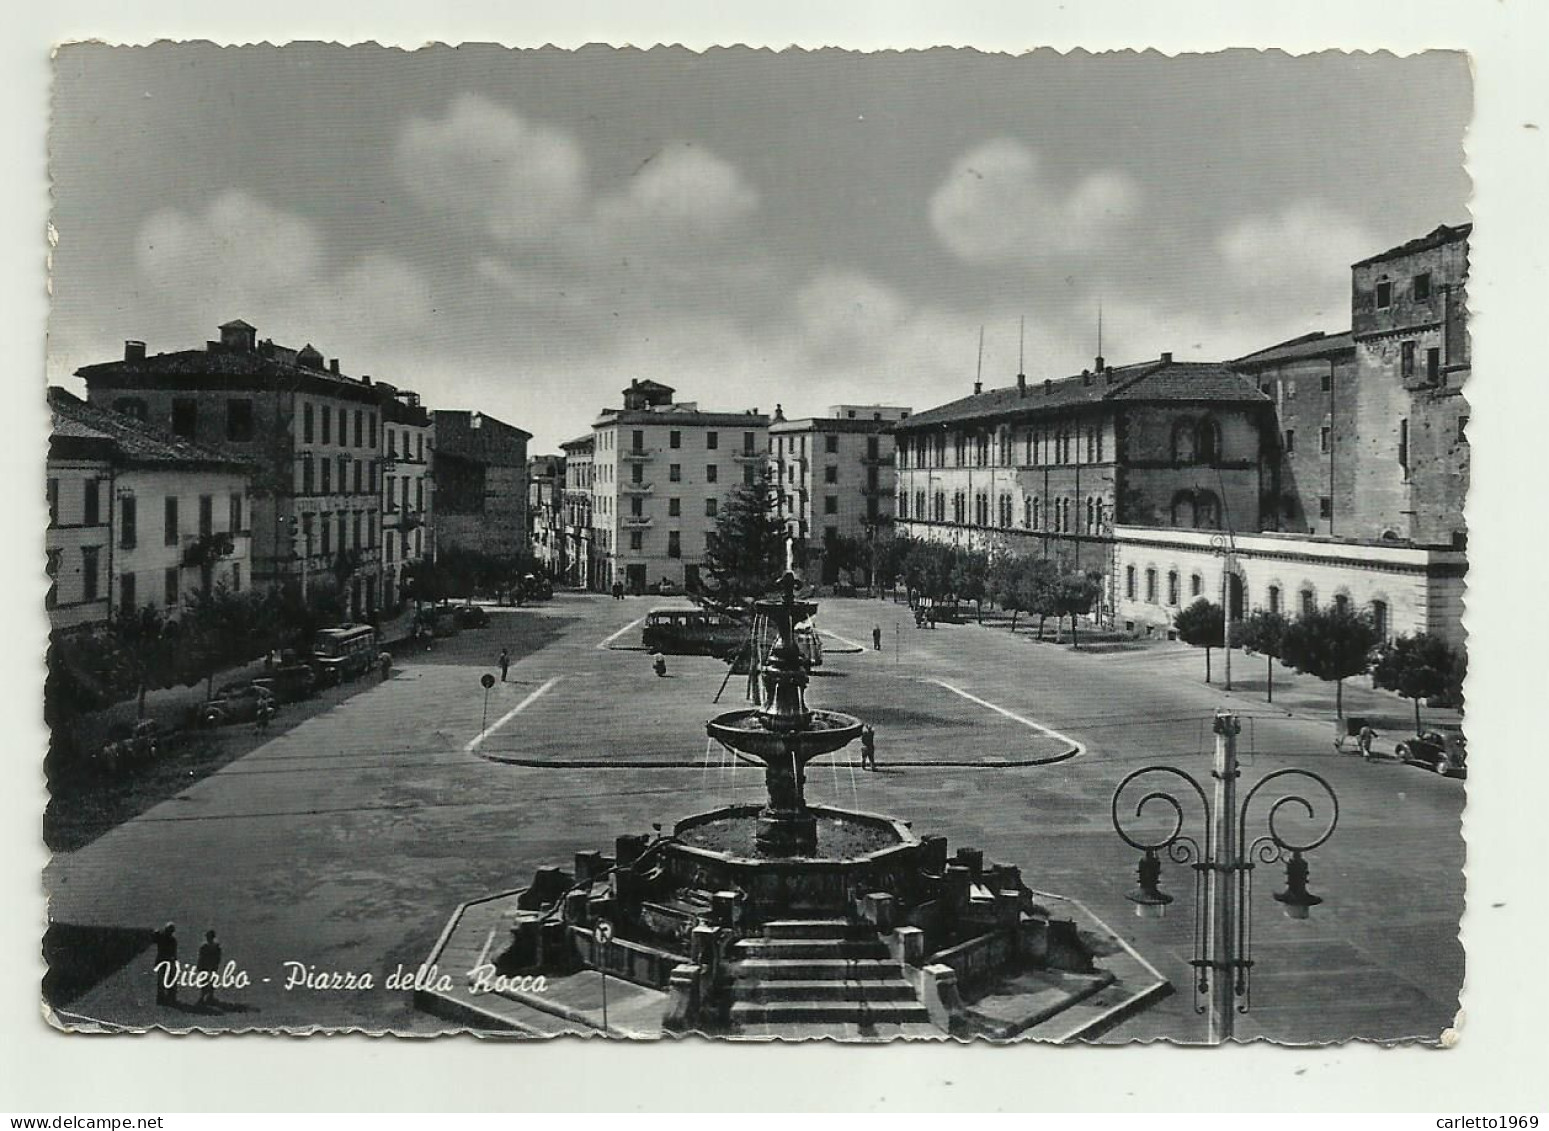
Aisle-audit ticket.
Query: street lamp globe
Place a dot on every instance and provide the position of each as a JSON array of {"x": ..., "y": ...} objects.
[
  {"x": 1149, "y": 899},
  {"x": 1296, "y": 900}
]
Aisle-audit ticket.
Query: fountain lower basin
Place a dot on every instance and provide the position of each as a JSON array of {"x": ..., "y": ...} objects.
[{"x": 744, "y": 731}]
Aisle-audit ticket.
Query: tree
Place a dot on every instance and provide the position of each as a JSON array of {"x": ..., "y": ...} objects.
[
  {"x": 1421, "y": 667},
  {"x": 1040, "y": 590},
  {"x": 1332, "y": 643},
  {"x": 1005, "y": 584},
  {"x": 1264, "y": 632},
  {"x": 746, "y": 550},
  {"x": 969, "y": 578},
  {"x": 221, "y": 629},
  {"x": 1074, "y": 594},
  {"x": 1201, "y": 625},
  {"x": 143, "y": 651}
]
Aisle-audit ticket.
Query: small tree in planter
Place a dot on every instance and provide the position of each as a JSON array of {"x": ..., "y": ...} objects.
[
  {"x": 1330, "y": 644},
  {"x": 1421, "y": 667},
  {"x": 1201, "y": 625},
  {"x": 1264, "y": 632},
  {"x": 1074, "y": 595}
]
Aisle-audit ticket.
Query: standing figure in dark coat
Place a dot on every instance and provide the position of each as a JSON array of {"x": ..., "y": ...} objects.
[
  {"x": 166, "y": 965},
  {"x": 209, "y": 964}
]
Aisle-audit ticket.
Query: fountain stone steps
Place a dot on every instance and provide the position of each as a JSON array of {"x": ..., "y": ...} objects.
[
  {"x": 816, "y": 929},
  {"x": 855, "y": 947},
  {"x": 823, "y": 989},
  {"x": 808, "y": 1012},
  {"x": 828, "y": 969}
]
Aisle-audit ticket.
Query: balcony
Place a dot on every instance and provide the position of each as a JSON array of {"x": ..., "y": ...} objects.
[
  {"x": 878, "y": 461},
  {"x": 750, "y": 456},
  {"x": 637, "y": 455},
  {"x": 636, "y": 488},
  {"x": 635, "y": 521},
  {"x": 877, "y": 491}
]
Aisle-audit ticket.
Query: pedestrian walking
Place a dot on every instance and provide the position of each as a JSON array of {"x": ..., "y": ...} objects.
[
  {"x": 868, "y": 748},
  {"x": 618, "y": 590},
  {"x": 209, "y": 964},
  {"x": 166, "y": 965},
  {"x": 505, "y": 664},
  {"x": 262, "y": 715},
  {"x": 876, "y": 638},
  {"x": 385, "y": 662},
  {"x": 660, "y": 664},
  {"x": 1368, "y": 735}
]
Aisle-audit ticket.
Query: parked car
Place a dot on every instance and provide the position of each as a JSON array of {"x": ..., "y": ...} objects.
[
  {"x": 1440, "y": 753},
  {"x": 290, "y": 681},
  {"x": 472, "y": 616},
  {"x": 128, "y": 744},
  {"x": 237, "y": 702}
]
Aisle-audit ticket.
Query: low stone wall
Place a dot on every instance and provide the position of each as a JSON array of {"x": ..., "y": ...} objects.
[
  {"x": 632, "y": 961},
  {"x": 978, "y": 958}
]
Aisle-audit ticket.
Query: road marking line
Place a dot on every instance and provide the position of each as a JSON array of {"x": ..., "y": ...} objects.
[
  {"x": 509, "y": 715},
  {"x": 842, "y": 639},
  {"x": 1080, "y": 747},
  {"x": 603, "y": 643}
]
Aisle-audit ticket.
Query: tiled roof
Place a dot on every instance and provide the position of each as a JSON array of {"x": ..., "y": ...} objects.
[
  {"x": 1147, "y": 381},
  {"x": 1443, "y": 234},
  {"x": 1308, "y": 345},
  {"x": 133, "y": 441}
]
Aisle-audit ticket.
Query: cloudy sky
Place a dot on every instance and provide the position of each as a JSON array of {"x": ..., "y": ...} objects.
[{"x": 523, "y": 232}]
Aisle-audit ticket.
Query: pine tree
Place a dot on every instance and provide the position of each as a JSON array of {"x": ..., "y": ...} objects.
[{"x": 745, "y": 552}]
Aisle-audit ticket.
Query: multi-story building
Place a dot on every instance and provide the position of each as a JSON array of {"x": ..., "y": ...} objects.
[
  {"x": 833, "y": 478},
  {"x": 661, "y": 471},
  {"x": 138, "y": 517},
  {"x": 310, "y": 431},
  {"x": 546, "y": 512},
  {"x": 481, "y": 484},
  {"x": 582, "y": 564},
  {"x": 408, "y": 488}
]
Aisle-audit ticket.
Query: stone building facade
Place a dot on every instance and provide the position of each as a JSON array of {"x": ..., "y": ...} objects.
[
  {"x": 310, "y": 432},
  {"x": 408, "y": 488},
  {"x": 833, "y": 477},
  {"x": 581, "y": 560},
  {"x": 138, "y": 517},
  {"x": 481, "y": 484},
  {"x": 546, "y": 512},
  {"x": 660, "y": 472}
]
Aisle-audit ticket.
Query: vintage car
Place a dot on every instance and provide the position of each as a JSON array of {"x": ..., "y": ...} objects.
[
  {"x": 128, "y": 744},
  {"x": 290, "y": 680},
  {"x": 1440, "y": 753},
  {"x": 471, "y": 616},
  {"x": 237, "y": 702}
]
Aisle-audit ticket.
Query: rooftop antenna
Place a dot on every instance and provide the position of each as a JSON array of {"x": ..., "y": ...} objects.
[
  {"x": 979, "y": 372},
  {"x": 1022, "y": 345},
  {"x": 1099, "y": 335}
]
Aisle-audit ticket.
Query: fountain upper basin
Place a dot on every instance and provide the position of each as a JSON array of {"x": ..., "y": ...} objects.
[{"x": 744, "y": 731}]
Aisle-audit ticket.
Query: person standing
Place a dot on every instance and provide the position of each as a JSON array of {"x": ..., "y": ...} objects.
[
  {"x": 505, "y": 664},
  {"x": 166, "y": 965},
  {"x": 385, "y": 662},
  {"x": 868, "y": 748},
  {"x": 876, "y": 638},
  {"x": 209, "y": 965},
  {"x": 1368, "y": 736},
  {"x": 262, "y": 715}
]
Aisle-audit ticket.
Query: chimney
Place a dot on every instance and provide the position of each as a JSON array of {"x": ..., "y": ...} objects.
[
  {"x": 1167, "y": 358},
  {"x": 1048, "y": 386},
  {"x": 365, "y": 378},
  {"x": 134, "y": 351},
  {"x": 1099, "y": 366},
  {"x": 1108, "y": 374},
  {"x": 1021, "y": 384},
  {"x": 978, "y": 387},
  {"x": 333, "y": 366}
]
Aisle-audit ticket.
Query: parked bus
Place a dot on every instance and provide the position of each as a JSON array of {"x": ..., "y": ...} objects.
[
  {"x": 344, "y": 652},
  {"x": 692, "y": 631}
]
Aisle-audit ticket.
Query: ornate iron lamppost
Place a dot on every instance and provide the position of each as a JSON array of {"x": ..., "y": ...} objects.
[{"x": 1223, "y": 867}]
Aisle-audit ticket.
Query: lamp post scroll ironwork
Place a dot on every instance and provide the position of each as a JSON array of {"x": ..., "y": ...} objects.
[{"x": 1223, "y": 865}]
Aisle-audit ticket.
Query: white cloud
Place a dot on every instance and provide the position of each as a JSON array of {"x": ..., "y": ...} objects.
[
  {"x": 481, "y": 159},
  {"x": 682, "y": 189},
  {"x": 1308, "y": 244},
  {"x": 995, "y": 206}
]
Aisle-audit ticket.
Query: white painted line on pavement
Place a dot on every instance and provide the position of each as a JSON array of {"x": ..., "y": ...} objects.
[
  {"x": 603, "y": 643},
  {"x": 1080, "y": 747},
  {"x": 509, "y": 715},
  {"x": 842, "y": 639}
]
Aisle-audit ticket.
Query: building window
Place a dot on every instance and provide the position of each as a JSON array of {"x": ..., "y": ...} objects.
[
  {"x": 674, "y": 545},
  {"x": 1403, "y": 447},
  {"x": 830, "y": 474},
  {"x": 710, "y": 508},
  {"x": 1342, "y": 602},
  {"x": 126, "y": 594},
  {"x": 169, "y": 522},
  {"x": 128, "y": 523},
  {"x": 675, "y": 472},
  {"x": 1380, "y": 618},
  {"x": 712, "y": 441},
  {"x": 1384, "y": 294},
  {"x": 1196, "y": 585},
  {"x": 360, "y": 428},
  {"x": 1151, "y": 586},
  {"x": 1325, "y": 437},
  {"x": 306, "y": 423},
  {"x": 675, "y": 439},
  {"x": 1433, "y": 365},
  {"x": 357, "y": 524},
  {"x": 637, "y": 473},
  {"x": 1308, "y": 600},
  {"x": 91, "y": 502},
  {"x": 1172, "y": 587},
  {"x": 89, "y": 556},
  {"x": 131, "y": 406},
  {"x": 206, "y": 516},
  {"x": 1406, "y": 363},
  {"x": 357, "y": 477},
  {"x": 749, "y": 475},
  {"x": 306, "y": 475},
  {"x": 327, "y": 476},
  {"x": 710, "y": 471},
  {"x": 674, "y": 508},
  {"x": 1325, "y": 506},
  {"x": 749, "y": 443},
  {"x": 831, "y": 444},
  {"x": 1422, "y": 286},
  {"x": 170, "y": 589},
  {"x": 1290, "y": 441},
  {"x": 327, "y": 424},
  {"x": 236, "y": 577},
  {"x": 636, "y": 507},
  {"x": 1274, "y": 599},
  {"x": 1327, "y": 382},
  {"x": 325, "y": 524},
  {"x": 185, "y": 417},
  {"x": 830, "y": 504},
  {"x": 1129, "y": 582},
  {"x": 636, "y": 540},
  {"x": 371, "y": 430}
]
